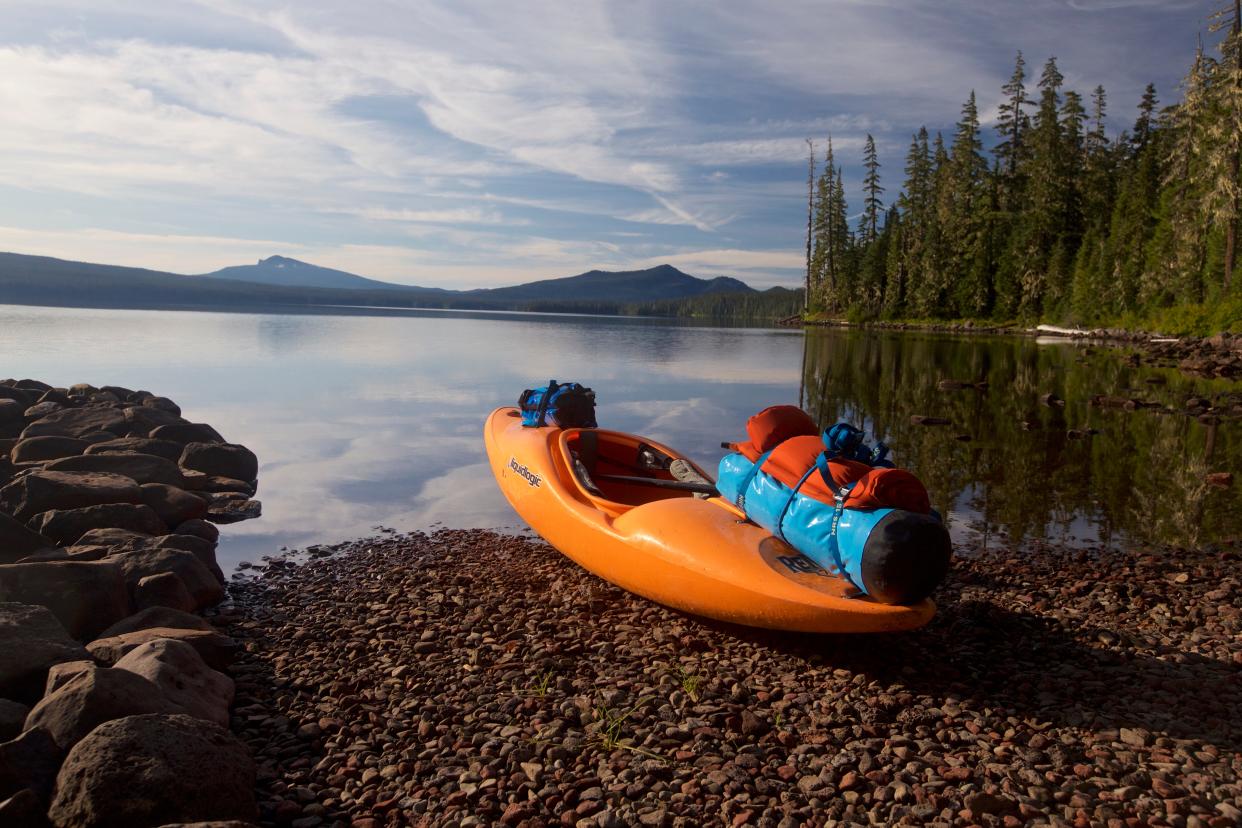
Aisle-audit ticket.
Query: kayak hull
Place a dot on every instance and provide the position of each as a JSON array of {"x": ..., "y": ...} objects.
[{"x": 696, "y": 555}]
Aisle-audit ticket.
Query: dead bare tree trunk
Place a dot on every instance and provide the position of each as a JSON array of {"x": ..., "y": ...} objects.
[{"x": 810, "y": 206}]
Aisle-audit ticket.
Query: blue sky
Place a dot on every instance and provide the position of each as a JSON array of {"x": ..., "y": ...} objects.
[{"x": 471, "y": 144}]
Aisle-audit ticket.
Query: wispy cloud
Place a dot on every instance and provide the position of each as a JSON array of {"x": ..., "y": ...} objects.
[{"x": 474, "y": 141}]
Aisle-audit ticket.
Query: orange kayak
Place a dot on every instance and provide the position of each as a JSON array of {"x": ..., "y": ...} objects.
[{"x": 607, "y": 500}]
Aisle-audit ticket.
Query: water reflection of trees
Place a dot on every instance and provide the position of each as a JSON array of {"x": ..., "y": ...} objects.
[{"x": 1025, "y": 469}]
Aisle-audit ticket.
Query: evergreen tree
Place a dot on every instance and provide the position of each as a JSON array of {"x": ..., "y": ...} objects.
[
  {"x": 1225, "y": 138},
  {"x": 1012, "y": 122},
  {"x": 1146, "y": 119},
  {"x": 1043, "y": 222},
  {"x": 967, "y": 215},
  {"x": 872, "y": 206}
]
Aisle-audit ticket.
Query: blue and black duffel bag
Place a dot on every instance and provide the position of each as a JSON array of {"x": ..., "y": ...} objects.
[
  {"x": 839, "y": 502},
  {"x": 564, "y": 405}
]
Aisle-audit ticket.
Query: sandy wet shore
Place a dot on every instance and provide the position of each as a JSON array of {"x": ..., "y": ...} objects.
[{"x": 470, "y": 678}]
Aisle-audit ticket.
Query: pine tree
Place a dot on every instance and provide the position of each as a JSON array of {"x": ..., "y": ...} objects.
[
  {"x": 1141, "y": 133},
  {"x": 1225, "y": 138},
  {"x": 872, "y": 206},
  {"x": 1043, "y": 221},
  {"x": 967, "y": 218},
  {"x": 1012, "y": 121},
  {"x": 810, "y": 203}
]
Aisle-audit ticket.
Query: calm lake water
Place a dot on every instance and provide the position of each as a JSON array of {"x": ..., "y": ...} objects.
[{"x": 364, "y": 420}]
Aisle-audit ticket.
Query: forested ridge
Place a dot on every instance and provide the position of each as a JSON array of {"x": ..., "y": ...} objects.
[{"x": 1058, "y": 221}]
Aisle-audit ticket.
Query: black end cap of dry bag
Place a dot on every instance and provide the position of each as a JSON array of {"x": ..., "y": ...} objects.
[{"x": 905, "y": 558}]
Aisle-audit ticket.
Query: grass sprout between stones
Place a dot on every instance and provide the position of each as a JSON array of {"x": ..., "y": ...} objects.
[
  {"x": 689, "y": 683},
  {"x": 609, "y": 723}
]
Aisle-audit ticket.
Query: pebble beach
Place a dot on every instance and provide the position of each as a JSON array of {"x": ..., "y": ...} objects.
[{"x": 474, "y": 678}]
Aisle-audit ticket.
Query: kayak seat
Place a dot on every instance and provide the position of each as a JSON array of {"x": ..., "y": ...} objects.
[{"x": 585, "y": 458}]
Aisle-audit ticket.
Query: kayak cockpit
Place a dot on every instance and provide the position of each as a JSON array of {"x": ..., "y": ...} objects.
[{"x": 615, "y": 472}]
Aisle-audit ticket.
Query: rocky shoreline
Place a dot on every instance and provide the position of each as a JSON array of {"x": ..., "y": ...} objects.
[
  {"x": 470, "y": 678},
  {"x": 114, "y": 703}
]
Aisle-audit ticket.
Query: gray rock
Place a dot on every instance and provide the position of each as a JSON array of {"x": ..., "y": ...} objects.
[
  {"x": 61, "y": 674},
  {"x": 23, "y": 810},
  {"x": 199, "y": 529},
  {"x": 180, "y": 673},
  {"x": 144, "y": 420},
  {"x": 158, "y": 617},
  {"x": 12, "y": 411},
  {"x": 185, "y": 433},
  {"x": 162, "y": 590},
  {"x": 73, "y": 422},
  {"x": 221, "y": 460},
  {"x": 173, "y": 505},
  {"x": 67, "y": 526},
  {"x": 216, "y": 649},
  {"x": 204, "y": 587},
  {"x": 91, "y": 698},
  {"x": 194, "y": 771},
  {"x": 12, "y": 715},
  {"x": 41, "y": 491},
  {"x": 163, "y": 404},
  {"x": 31, "y": 642},
  {"x": 230, "y": 507},
  {"x": 29, "y": 762},
  {"x": 167, "y": 449},
  {"x": 141, "y": 468},
  {"x": 199, "y": 482},
  {"x": 85, "y": 596},
  {"x": 18, "y": 541},
  {"x": 23, "y": 398},
  {"x": 40, "y": 410},
  {"x": 39, "y": 449}
]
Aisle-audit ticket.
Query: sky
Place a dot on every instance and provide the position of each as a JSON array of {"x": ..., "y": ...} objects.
[{"x": 473, "y": 144}]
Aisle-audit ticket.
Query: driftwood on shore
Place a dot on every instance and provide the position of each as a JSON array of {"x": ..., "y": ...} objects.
[{"x": 114, "y": 700}]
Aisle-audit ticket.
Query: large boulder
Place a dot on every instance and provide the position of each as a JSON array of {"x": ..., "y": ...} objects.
[
  {"x": 173, "y": 505},
  {"x": 29, "y": 762},
  {"x": 40, "y": 410},
  {"x": 163, "y": 404},
  {"x": 18, "y": 541},
  {"x": 199, "y": 529},
  {"x": 91, "y": 698},
  {"x": 85, "y": 596},
  {"x": 12, "y": 717},
  {"x": 221, "y": 460},
  {"x": 31, "y": 642},
  {"x": 73, "y": 422},
  {"x": 61, "y": 674},
  {"x": 183, "y": 677},
  {"x": 231, "y": 507},
  {"x": 216, "y": 649},
  {"x": 66, "y": 526},
  {"x": 199, "y": 482},
  {"x": 167, "y": 449},
  {"x": 144, "y": 420},
  {"x": 185, "y": 433},
  {"x": 192, "y": 770},
  {"x": 142, "y": 468},
  {"x": 40, "y": 491},
  {"x": 23, "y": 398},
  {"x": 158, "y": 617},
  {"x": 162, "y": 590},
  {"x": 198, "y": 578},
  {"x": 23, "y": 810},
  {"x": 12, "y": 411},
  {"x": 40, "y": 449}
]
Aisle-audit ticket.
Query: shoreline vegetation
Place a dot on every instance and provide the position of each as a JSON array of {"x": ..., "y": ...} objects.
[{"x": 1063, "y": 224}]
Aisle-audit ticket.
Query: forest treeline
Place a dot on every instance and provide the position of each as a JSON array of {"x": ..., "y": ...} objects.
[{"x": 1058, "y": 221}]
